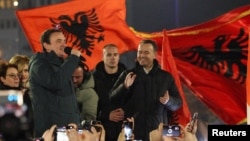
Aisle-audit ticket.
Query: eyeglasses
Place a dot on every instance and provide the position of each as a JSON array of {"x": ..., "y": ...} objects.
[{"x": 13, "y": 75}]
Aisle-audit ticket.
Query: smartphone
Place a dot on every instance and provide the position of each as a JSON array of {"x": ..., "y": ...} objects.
[
  {"x": 86, "y": 125},
  {"x": 195, "y": 117},
  {"x": 171, "y": 130},
  {"x": 128, "y": 130},
  {"x": 62, "y": 136},
  {"x": 61, "y": 133}
]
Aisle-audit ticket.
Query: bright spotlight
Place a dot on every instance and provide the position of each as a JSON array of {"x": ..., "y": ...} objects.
[{"x": 15, "y": 3}]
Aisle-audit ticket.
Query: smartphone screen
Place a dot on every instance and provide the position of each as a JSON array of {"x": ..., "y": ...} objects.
[
  {"x": 61, "y": 134},
  {"x": 171, "y": 130},
  {"x": 128, "y": 130}
]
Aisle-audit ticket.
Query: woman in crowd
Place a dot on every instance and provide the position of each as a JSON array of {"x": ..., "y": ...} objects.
[
  {"x": 22, "y": 63},
  {"x": 9, "y": 77},
  {"x": 10, "y": 124}
]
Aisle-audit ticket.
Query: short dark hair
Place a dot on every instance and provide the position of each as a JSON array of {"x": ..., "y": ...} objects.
[
  {"x": 83, "y": 66},
  {"x": 4, "y": 67},
  {"x": 85, "y": 69},
  {"x": 45, "y": 37},
  {"x": 152, "y": 42}
]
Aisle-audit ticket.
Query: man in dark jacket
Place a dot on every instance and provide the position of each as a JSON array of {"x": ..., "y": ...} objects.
[
  {"x": 105, "y": 75},
  {"x": 54, "y": 99},
  {"x": 151, "y": 92}
]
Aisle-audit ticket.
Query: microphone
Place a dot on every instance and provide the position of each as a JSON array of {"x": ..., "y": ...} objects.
[{"x": 67, "y": 50}]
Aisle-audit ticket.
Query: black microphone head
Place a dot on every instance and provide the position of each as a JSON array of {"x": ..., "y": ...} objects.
[{"x": 67, "y": 50}]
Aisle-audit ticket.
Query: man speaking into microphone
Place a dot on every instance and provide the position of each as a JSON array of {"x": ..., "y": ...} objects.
[{"x": 53, "y": 95}]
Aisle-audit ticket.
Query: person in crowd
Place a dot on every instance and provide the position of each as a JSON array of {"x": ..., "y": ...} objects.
[
  {"x": 9, "y": 77},
  {"x": 50, "y": 78},
  {"x": 11, "y": 125},
  {"x": 22, "y": 63},
  {"x": 105, "y": 75},
  {"x": 87, "y": 97},
  {"x": 151, "y": 92}
]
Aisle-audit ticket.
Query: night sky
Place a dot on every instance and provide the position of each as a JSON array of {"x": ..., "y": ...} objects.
[{"x": 155, "y": 15}]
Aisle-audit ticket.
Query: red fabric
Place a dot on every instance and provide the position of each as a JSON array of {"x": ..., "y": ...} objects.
[
  {"x": 248, "y": 81},
  {"x": 211, "y": 58},
  {"x": 168, "y": 64},
  {"x": 216, "y": 44},
  {"x": 106, "y": 24}
]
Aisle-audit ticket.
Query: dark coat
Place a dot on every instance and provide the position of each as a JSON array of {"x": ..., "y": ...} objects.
[
  {"x": 27, "y": 117},
  {"x": 52, "y": 90},
  {"x": 103, "y": 84},
  {"x": 143, "y": 99}
]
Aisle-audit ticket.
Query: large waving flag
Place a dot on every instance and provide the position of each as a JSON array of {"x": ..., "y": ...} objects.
[
  {"x": 211, "y": 58},
  {"x": 87, "y": 25}
]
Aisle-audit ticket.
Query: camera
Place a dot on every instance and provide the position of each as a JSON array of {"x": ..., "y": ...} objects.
[
  {"x": 171, "y": 130},
  {"x": 128, "y": 130}
]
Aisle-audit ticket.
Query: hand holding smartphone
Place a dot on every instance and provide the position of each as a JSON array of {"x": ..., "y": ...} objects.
[
  {"x": 171, "y": 130},
  {"x": 128, "y": 130},
  {"x": 192, "y": 122}
]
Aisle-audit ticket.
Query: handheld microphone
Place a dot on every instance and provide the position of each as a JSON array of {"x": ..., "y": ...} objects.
[{"x": 67, "y": 50}]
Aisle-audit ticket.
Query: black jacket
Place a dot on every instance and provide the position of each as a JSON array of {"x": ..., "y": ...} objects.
[
  {"x": 143, "y": 98},
  {"x": 52, "y": 90},
  {"x": 103, "y": 84}
]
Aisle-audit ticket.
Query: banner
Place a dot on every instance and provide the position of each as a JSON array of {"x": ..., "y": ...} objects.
[
  {"x": 87, "y": 25},
  {"x": 212, "y": 59}
]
